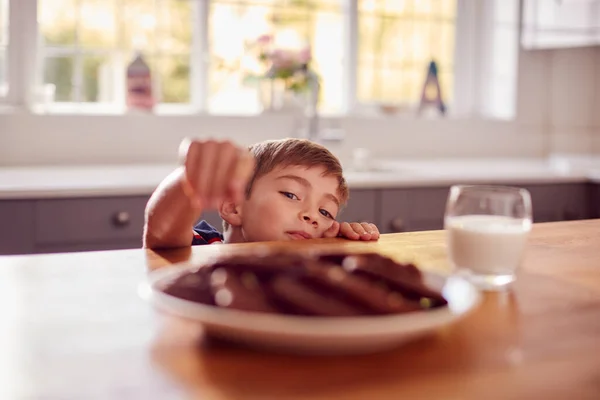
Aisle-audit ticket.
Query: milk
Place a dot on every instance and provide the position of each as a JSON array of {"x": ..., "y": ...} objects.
[{"x": 487, "y": 244}]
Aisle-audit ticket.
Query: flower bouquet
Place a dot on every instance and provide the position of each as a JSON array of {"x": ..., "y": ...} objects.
[{"x": 286, "y": 73}]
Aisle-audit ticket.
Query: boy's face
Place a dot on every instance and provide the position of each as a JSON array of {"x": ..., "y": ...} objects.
[{"x": 290, "y": 203}]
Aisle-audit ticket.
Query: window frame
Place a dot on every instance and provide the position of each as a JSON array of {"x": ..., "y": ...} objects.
[{"x": 24, "y": 50}]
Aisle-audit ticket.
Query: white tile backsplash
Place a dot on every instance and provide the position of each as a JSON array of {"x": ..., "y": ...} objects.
[
  {"x": 597, "y": 87},
  {"x": 572, "y": 141},
  {"x": 572, "y": 88},
  {"x": 533, "y": 97}
]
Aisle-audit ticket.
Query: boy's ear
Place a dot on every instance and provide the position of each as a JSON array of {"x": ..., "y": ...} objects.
[{"x": 231, "y": 213}]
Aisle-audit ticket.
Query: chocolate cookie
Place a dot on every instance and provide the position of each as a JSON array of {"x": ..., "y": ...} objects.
[{"x": 322, "y": 285}]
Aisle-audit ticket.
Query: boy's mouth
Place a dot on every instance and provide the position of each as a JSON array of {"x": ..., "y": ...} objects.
[{"x": 299, "y": 235}]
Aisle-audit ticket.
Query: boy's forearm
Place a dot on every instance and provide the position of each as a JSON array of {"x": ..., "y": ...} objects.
[{"x": 170, "y": 216}]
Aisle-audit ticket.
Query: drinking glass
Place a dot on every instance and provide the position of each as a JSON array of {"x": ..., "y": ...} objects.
[{"x": 487, "y": 229}]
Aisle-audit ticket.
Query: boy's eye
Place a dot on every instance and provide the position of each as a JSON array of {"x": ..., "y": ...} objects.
[
  {"x": 326, "y": 213},
  {"x": 290, "y": 195}
]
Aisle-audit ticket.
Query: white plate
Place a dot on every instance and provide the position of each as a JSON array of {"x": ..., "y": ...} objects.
[{"x": 315, "y": 335}]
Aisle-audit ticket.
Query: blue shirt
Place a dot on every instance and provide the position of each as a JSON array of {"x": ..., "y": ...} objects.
[{"x": 204, "y": 233}]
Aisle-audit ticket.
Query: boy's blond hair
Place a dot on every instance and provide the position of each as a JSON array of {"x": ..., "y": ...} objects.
[{"x": 282, "y": 153}]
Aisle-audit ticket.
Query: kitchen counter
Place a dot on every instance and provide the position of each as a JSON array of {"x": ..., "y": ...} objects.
[
  {"x": 111, "y": 180},
  {"x": 73, "y": 327}
]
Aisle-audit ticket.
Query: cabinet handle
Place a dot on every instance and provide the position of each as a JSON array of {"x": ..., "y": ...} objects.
[
  {"x": 397, "y": 225},
  {"x": 121, "y": 219}
]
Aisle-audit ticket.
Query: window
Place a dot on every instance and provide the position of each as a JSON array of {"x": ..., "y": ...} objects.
[
  {"x": 3, "y": 45},
  {"x": 87, "y": 45},
  {"x": 397, "y": 40},
  {"x": 234, "y": 25},
  {"x": 200, "y": 51}
]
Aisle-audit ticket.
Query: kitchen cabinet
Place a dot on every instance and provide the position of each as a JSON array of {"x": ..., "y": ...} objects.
[
  {"x": 549, "y": 24},
  {"x": 83, "y": 221},
  {"x": 559, "y": 202},
  {"x": 594, "y": 200},
  {"x": 16, "y": 226},
  {"x": 418, "y": 209},
  {"x": 103, "y": 223},
  {"x": 361, "y": 207}
]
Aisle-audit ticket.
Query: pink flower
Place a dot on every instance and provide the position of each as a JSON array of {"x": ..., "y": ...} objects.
[
  {"x": 264, "y": 39},
  {"x": 282, "y": 59},
  {"x": 305, "y": 55}
]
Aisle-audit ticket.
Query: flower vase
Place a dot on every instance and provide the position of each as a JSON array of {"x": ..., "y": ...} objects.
[{"x": 276, "y": 97}]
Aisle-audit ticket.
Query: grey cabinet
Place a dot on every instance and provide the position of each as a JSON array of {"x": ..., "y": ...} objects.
[
  {"x": 110, "y": 220},
  {"x": 420, "y": 209},
  {"x": 559, "y": 202},
  {"x": 16, "y": 226},
  {"x": 361, "y": 207},
  {"x": 412, "y": 209},
  {"x": 75, "y": 224},
  {"x": 594, "y": 200}
]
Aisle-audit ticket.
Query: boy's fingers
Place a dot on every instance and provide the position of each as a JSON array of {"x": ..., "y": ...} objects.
[
  {"x": 348, "y": 231},
  {"x": 206, "y": 169},
  {"x": 361, "y": 231},
  {"x": 374, "y": 232},
  {"x": 192, "y": 172},
  {"x": 224, "y": 164},
  {"x": 333, "y": 231},
  {"x": 244, "y": 169},
  {"x": 189, "y": 192}
]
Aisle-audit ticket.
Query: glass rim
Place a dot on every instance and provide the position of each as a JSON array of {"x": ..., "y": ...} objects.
[{"x": 492, "y": 188}]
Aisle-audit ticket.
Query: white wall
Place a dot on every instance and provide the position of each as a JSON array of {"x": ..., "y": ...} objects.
[{"x": 558, "y": 111}]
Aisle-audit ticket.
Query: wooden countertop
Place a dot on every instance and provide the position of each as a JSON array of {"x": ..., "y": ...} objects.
[{"x": 73, "y": 327}]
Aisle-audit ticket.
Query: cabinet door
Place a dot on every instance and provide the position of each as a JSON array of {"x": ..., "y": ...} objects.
[
  {"x": 361, "y": 207},
  {"x": 560, "y": 24},
  {"x": 559, "y": 202},
  {"x": 16, "y": 226},
  {"x": 89, "y": 221},
  {"x": 427, "y": 208},
  {"x": 394, "y": 214},
  {"x": 594, "y": 200}
]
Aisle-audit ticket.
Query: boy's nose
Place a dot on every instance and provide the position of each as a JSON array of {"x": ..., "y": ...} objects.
[{"x": 307, "y": 218}]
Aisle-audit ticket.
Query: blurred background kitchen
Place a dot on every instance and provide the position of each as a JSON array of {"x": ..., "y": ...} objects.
[{"x": 520, "y": 82}]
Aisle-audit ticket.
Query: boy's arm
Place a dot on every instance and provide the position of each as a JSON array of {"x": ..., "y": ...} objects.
[
  {"x": 212, "y": 172},
  {"x": 170, "y": 214}
]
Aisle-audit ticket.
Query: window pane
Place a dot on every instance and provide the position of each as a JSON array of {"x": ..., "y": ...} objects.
[
  {"x": 101, "y": 37},
  {"x": 397, "y": 40},
  {"x": 3, "y": 43},
  {"x": 98, "y": 25},
  {"x": 138, "y": 23},
  {"x": 59, "y": 71},
  {"x": 57, "y": 21},
  {"x": 173, "y": 73},
  {"x": 2, "y": 67},
  {"x": 3, "y": 23},
  {"x": 174, "y": 26},
  {"x": 234, "y": 28},
  {"x": 102, "y": 78}
]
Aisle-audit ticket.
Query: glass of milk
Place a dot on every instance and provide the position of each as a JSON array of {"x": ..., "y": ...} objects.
[{"x": 487, "y": 229}]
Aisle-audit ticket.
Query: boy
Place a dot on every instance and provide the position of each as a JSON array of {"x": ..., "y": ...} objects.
[{"x": 288, "y": 189}]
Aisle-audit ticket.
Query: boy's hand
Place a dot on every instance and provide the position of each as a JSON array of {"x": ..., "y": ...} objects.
[
  {"x": 354, "y": 231},
  {"x": 214, "y": 171}
]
